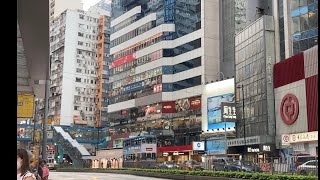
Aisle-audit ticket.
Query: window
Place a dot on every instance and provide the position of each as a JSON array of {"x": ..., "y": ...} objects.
[
  {"x": 76, "y": 108},
  {"x": 81, "y": 16},
  {"x": 78, "y": 79},
  {"x": 80, "y": 43},
  {"x": 79, "y": 61},
  {"x": 294, "y": 4},
  {"x": 313, "y": 19},
  {"x": 304, "y": 26},
  {"x": 80, "y": 34},
  {"x": 78, "y": 70}
]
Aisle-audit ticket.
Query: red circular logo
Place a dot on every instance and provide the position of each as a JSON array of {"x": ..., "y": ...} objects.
[{"x": 289, "y": 109}]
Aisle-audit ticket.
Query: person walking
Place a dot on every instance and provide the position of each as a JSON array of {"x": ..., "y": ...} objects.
[
  {"x": 23, "y": 166},
  {"x": 45, "y": 170}
]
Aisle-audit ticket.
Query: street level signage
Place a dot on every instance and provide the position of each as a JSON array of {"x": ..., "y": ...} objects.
[
  {"x": 198, "y": 146},
  {"x": 240, "y": 141},
  {"x": 285, "y": 139},
  {"x": 304, "y": 137}
]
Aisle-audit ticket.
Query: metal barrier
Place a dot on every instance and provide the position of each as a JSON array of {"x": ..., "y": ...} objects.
[{"x": 275, "y": 166}]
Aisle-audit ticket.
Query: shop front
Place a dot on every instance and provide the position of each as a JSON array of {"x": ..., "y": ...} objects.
[
  {"x": 297, "y": 144},
  {"x": 254, "y": 148},
  {"x": 176, "y": 154},
  {"x": 107, "y": 159}
]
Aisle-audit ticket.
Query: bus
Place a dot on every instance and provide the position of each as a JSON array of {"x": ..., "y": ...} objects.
[{"x": 140, "y": 152}]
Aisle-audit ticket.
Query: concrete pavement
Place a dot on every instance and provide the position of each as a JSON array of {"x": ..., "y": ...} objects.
[{"x": 95, "y": 176}]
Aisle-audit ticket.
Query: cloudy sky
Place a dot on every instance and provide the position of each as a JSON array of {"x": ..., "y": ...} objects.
[{"x": 89, "y": 3}]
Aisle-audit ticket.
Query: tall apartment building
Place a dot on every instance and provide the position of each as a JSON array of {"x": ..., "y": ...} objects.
[
  {"x": 296, "y": 26},
  {"x": 77, "y": 47},
  {"x": 163, "y": 53},
  {"x": 56, "y": 7}
]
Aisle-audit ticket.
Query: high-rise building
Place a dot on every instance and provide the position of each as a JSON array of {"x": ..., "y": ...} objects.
[
  {"x": 236, "y": 15},
  {"x": 163, "y": 53},
  {"x": 254, "y": 60},
  {"x": 56, "y": 7},
  {"x": 77, "y": 49},
  {"x": 296, "y": 26}
]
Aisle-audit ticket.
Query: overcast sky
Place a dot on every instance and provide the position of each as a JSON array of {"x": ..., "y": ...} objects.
[{"x": 88, "y": 3}]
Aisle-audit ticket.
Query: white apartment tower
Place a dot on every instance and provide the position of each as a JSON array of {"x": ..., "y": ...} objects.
[
  {"x": 74, "y": 67},
  {"x": 56, "y": 7}
]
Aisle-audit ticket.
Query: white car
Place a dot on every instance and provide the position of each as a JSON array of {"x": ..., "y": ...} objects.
[{"x": 309, "y": 167}]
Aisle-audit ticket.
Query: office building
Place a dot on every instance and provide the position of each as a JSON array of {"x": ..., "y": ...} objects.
[
  {"x": 163, "y": 53},
  {"x": 296, "y": 104},
  {"x": 255, "y": 56},
  {"x": 296, "y": 26}
]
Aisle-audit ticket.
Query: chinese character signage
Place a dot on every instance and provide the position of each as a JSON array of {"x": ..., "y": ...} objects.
[
  {"x": 25, "y": 106},
  {"x": 228, "y": 113}
]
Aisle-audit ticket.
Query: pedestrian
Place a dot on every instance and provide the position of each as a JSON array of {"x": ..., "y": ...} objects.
[
  {"x": 101, "y": 164},
  {"x": 23, "y": 166},
  {"x": 45, "y": 170}
]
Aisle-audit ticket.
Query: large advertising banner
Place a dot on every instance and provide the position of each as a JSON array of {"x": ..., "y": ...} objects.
[
  {"x": 214, "y": 107},
  {"x": 25, "y": 106},
  {"x": 213, "y": 99},
  {"x": 216, "y": 146},
  {"x": 123, "y": 60}
]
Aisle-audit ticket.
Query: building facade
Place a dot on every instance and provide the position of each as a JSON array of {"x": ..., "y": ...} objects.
[
  {"x": 236, "y": 15},
  {"x": 296, "y": 104},
  {"x": 76, "y": 66},
  {"x": 296, "y": 26},
  {"x": 255, "y": 56},
  {"x": 56, "y": 7},
  {"x": 162, "y": 55}
]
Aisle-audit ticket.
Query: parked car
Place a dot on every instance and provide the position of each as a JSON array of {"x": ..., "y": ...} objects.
[
  {"x": 303, "y": 159},
  {"x": 309, "y": 167},
  {"x": 221, "y": 164},
  {"x": 191, "y": 165},
  {"x": 167, "y": 165},
  {"x": 245, "y": 166}
]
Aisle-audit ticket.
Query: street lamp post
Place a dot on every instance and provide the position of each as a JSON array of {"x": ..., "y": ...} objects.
[{"x": 243, "y": 117}]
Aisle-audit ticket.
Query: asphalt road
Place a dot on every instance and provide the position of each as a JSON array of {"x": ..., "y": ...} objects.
[{"x": 95, "y": 176}]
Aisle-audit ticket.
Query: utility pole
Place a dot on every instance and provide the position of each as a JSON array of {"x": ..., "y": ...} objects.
[
  {"x": 45, "y": 122},
  {"x": 243, "y": 119},
  {"x": 46, "y": 101}
]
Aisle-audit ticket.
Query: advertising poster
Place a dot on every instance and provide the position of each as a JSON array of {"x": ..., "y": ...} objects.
[
  {"x": 25, "y": 106},
  {"x": 216, "y": 146},
  {"x": 214, "y": 107}
]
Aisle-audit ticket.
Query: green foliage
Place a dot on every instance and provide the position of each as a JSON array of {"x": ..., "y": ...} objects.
[{"x": 239, "y": 175}]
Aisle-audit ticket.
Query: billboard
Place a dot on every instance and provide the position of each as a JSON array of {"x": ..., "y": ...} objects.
[
  {"x": 216, "y": 146},
  {"x": 213, "y": 96},
  {"x": 214, "y": 106},
  {"x": 25, "y": 106}
]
